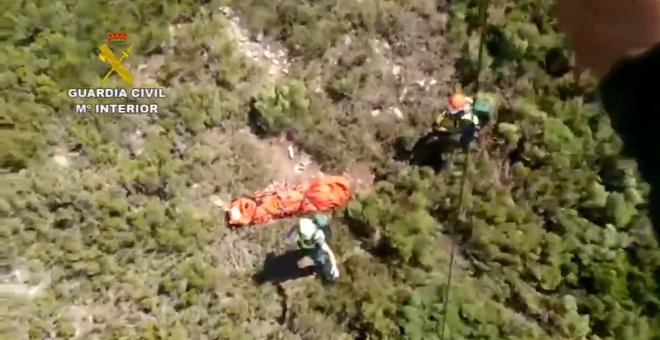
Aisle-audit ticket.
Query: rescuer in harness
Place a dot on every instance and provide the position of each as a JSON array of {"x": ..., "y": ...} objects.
[
  {"x": 312, "y": 238},
  {"x": 464, "y": 116}
]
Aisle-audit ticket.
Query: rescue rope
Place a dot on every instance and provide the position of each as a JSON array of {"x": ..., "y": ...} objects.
[{"x": 483, "y": 16}]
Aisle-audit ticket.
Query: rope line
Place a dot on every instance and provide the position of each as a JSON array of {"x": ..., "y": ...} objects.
[{"x": 483, "y": 6}]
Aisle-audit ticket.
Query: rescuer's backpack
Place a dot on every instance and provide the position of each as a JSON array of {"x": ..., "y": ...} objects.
[{"x": 483, "y": 110}]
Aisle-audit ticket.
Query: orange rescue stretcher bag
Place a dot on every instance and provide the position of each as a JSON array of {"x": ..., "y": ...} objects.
[{"x": 317, "y": 195}]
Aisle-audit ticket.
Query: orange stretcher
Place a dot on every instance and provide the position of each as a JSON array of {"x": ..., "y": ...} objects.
[{"x": 317, "y": 195}]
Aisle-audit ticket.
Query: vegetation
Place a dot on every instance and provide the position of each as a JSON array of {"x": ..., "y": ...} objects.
[{"x": 110, "y": 232}]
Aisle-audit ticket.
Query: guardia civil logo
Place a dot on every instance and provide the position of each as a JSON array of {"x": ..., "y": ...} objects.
[
  {"x": 108, "y": 56},
  {"x": 127, "y": 99}
]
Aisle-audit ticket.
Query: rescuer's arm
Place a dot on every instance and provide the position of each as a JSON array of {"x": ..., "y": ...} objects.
[
  {"x": 333, "y": 260},
  {"x": 629, "y": 97},
  {"x": 290, "y": 232}
]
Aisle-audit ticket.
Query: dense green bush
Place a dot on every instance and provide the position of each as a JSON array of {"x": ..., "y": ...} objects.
[{"x": 281, "y": 104}]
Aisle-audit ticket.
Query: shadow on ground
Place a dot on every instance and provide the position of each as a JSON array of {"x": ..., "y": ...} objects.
[
  {"x": 434, "y": 150},
  {"x": 278, "y": 269},
  {"x": 283, "y": 267}
]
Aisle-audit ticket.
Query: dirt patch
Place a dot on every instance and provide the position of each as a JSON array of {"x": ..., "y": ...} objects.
[
  {"x": 23, "y": 284},
  {"x": 361, "y": 176},
  {"x": 286, "y": 162},
  {"x": 422, "y": 63},
  {"x": 269, "y": 55},
  {"x": 301, "y": 166},
  {"x": 146, "y": 74}
]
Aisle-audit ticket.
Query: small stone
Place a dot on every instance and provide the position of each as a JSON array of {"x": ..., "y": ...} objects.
[
  {"x": 305, "y": 262},
  {"x": 61, "y": 160},
  {"x": 291, "y": 152},
  {"x": 397, "y": 112},
  {"x": 299, "y": 168},
  {"x": 217, "y": 201},
  {"x": 347, "y": 40}
]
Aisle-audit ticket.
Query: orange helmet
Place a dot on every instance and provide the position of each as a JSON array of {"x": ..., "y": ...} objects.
[{"x": 457, "y": 101}]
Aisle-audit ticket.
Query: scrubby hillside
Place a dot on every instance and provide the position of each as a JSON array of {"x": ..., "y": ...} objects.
[{"x": 111, "y": 227}]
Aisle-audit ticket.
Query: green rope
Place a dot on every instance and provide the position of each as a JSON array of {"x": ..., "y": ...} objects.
[{"x": 483, "y": 16}]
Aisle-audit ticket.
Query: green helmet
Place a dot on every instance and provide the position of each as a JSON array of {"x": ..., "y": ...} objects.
[{"x": 320, "y": 220}]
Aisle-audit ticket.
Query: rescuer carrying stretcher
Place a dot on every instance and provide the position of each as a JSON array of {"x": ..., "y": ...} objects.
[{"x": 312, "y": 236}]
